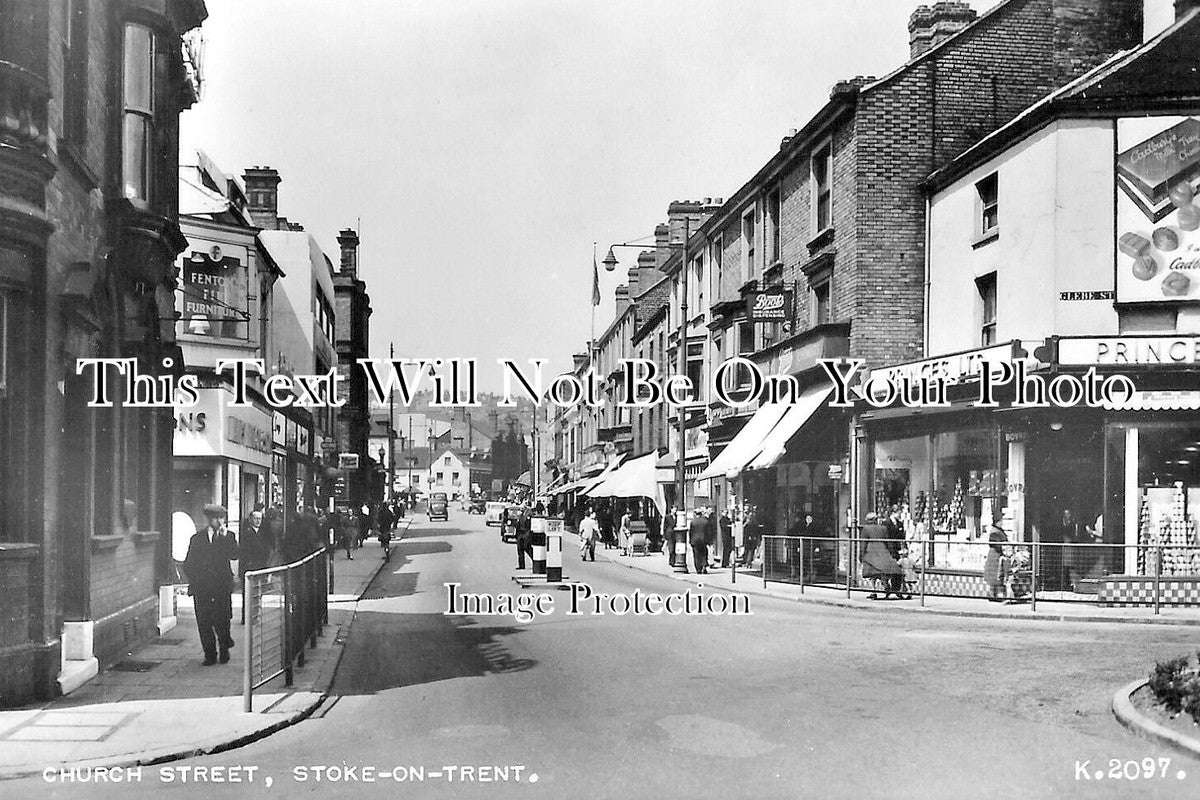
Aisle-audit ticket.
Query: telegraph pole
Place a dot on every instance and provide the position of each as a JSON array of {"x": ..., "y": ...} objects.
[{"x": 391, "y": 492}]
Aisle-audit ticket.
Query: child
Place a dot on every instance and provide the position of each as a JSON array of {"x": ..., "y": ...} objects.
[{"x": 909, "y": 566}]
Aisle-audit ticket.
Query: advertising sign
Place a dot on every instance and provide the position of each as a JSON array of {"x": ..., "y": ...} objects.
[
  {"x": 1158, "y": 213},
  {"x": 774, "y": 305},
  {"x": 347, "y": 460},
  {"x": 214, "y": 280}
]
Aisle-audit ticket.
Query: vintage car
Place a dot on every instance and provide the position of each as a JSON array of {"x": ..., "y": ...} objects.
[
  {"x": 439, "y": 506},
  {"x": 493, "y": 512}
]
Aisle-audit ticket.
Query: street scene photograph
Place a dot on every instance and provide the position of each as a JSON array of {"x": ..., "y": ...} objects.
[{"x": 579, "y": 399}]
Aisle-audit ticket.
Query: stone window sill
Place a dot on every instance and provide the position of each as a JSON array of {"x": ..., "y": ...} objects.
[
  {"x": 109, "y": 542},
  {"x": 144, "y": 537},
  {"x": 18, "y": 551}
]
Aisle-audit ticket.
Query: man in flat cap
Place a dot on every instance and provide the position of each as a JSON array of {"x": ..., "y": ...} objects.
[{"x": 210, "y": 583}]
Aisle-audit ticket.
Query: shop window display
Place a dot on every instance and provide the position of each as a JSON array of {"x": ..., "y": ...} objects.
[
  {"x": 950, "y": 488},
  {"x": 1169, "y": 497}
]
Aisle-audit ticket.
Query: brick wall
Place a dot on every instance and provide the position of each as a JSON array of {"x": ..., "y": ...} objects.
[{"x": 930, "y": 112}]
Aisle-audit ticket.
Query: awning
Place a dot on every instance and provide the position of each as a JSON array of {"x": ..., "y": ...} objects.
[
  {"x": 604, "y": 473},
  {"x": 696, "y": 460},
  {"x": 748, "y": 442},
  {"x": 797, "y": 415},
  {"x": 636, "y": 478},
  {"x": 525, "y": 480}
]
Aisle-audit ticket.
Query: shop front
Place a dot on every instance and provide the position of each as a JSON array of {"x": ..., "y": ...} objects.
[
  {"x": 222, "y": 455},
  {"x": 1107, "y": 496}
]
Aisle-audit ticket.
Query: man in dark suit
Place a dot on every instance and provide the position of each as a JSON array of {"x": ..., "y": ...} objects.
[
  {"x": 256, "y": 548},
  {"x": 210, "y": 583},
  {"x": 698, "y": 534}
]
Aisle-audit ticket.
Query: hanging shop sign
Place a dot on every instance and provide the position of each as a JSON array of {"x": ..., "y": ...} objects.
[
  {"x": 347, "y": 460},
  {"x": 278, "y": 423},
  {"x": 773, "y": 305},
  {"x": 1122, "y": 351},
  {"x": 1158, "y": 212},
  {"x": 213, "y": 296}
]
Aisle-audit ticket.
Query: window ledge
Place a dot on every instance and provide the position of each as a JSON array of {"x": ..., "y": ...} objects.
[
  {"x": 986, "y": 237},
  {"x": 822, "y": 239},
  {"x": 109, "y": 542},
  {"x": 73, "y": 158},
  {"x": 19, "y": 551},
  {"x": 145, "y": 537}
]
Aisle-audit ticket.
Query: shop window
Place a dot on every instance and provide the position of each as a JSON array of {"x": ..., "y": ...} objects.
[
  {"x": 137, "y": 157},
  {"x": 987, "y": 304},
  {"x": 950, "y": 488},
  {"x": 988, "y": 204},
  {"x": 822, "y": 188}
]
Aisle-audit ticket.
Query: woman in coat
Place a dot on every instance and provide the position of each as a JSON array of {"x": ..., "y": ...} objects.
[
  {"x": 993, "y": 567},
  {"x": 878, "y": 565}
]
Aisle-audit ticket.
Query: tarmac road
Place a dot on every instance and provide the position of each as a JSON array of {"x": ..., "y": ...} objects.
[{"x": 794, "y": 700}]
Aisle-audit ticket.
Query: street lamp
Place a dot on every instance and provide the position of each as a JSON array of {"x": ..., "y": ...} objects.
[{"x": 610, "y": 263}]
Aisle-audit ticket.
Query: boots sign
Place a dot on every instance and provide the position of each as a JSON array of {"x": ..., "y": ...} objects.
[{"x": 775, "y": 305}]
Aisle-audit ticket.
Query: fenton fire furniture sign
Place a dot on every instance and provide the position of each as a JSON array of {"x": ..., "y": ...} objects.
[
  {"x": 215, "y": 279},
  {"x": 770, "y": 306},
  {"x": 1158, "y": 210}
]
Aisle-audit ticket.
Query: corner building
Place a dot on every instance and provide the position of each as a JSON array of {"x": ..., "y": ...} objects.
[{"x": 91, "y": 93}]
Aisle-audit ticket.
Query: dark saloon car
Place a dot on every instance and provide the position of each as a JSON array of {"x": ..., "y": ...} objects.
[{"x": 439, "y": 507}]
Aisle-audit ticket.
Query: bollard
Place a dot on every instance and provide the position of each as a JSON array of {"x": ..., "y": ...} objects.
[
  {"x": 554, "y": 551},
  {"x": 680, "y": 547},
  {"x": 537, "y": 530}
]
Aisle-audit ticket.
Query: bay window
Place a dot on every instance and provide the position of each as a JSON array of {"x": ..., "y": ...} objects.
[{"x": 137, "y": 136}]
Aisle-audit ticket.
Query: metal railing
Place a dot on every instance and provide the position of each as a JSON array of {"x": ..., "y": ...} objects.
[
  {"x": 286, "y": 610},
  {"x": 1158, "y": 574}
]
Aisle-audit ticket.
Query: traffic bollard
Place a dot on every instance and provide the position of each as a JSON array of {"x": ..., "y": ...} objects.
[
  {"x": 537, "y": 529},
  {"x": 553, "y": 551}
]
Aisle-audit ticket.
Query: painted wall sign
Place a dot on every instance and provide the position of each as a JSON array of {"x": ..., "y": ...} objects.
[{"x": 1077, "y": 296}]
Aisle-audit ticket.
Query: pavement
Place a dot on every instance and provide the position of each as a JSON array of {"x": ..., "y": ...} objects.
[
  {"x": 751, "y": 582},
  {"x": 130, "y": 713}
]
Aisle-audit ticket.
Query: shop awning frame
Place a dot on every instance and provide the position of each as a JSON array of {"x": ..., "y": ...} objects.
[
  {"x": 797, "y": 416},
  {"x": 747, "y": 443}
]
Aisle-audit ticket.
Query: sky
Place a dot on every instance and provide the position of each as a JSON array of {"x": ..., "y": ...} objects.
[{"x": 481, "y": 147}]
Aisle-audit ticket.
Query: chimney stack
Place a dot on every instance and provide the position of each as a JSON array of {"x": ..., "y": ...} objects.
[
  {"x": 622, "y": 297},
  {"x": 929, "y": 26},
  {"x": 262, "y": 192},
  {"x": 348, "y": 240}
]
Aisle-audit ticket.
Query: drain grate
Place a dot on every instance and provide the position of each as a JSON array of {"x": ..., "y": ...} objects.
[
  {"x": 132, "y": 665},
  {"x": 166, "y": 640}
]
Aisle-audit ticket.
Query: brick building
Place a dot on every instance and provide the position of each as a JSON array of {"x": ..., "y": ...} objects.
[
  {"x": 91, "y": 94},
  {"x": 352, "y": 315},
  {"x": 837, "y": 217}
]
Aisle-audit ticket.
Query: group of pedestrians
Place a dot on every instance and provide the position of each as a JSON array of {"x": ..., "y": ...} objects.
[
  {"x": 351, "y": 527},
  {"x": 882, "y": 544}
]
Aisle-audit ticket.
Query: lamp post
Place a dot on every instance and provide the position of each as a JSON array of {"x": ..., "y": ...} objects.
[
  {"x": 610, "y": 263},
  {"x": 391, "y": 492}
]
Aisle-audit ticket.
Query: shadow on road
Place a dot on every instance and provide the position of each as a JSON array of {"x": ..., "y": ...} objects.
[{"x": 390, "y": 651}]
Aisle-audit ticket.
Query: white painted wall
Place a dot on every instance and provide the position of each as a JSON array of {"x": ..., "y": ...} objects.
[{"x": 1056, "y": 235}]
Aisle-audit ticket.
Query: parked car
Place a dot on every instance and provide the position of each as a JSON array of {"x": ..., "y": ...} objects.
[
  {"x": 477, "y": 506},
  {"x": 508, "y": 528},
  {"x": 493, "y": 512},
  {"x": 439, "y": 507}
]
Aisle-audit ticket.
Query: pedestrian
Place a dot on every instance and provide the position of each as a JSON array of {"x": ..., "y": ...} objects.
[
  {"x": 726, "y": 526},
  {"x": 346, "y": 526},
  {"x": 878, "y": 565},
  {"x": 364, "y": 525},
  {"x": 210, "y": 583},
  {"x": 386, "y": 519},
  {"x": 751, "y": 535},
  {"x": 624, "y": 532},
  {"x": 995, "y": 567},
  {"x": 589, "y": 532},
  {"x": 909, "y": 567},
  {"x": 385, "y": 541},
  {"x": 894, "y": 529},
  {"x": 254, "y": 551},
  {"x": 698, "y": 535},
  {"x": 524, "y": 538}
]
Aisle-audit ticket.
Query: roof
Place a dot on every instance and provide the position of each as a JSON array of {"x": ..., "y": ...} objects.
[{"x": 1161, "y": 74}]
